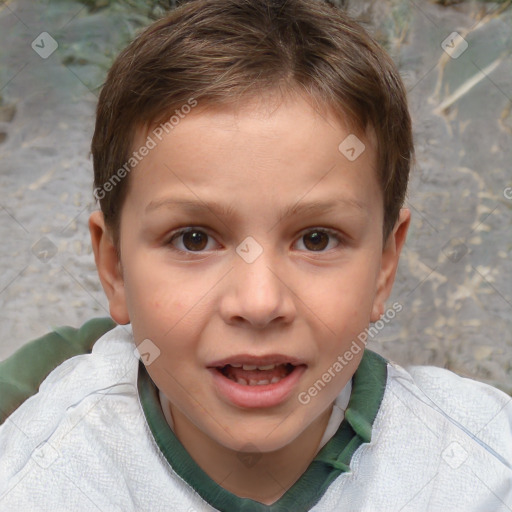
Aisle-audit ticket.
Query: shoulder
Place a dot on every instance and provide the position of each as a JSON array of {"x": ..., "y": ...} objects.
[
  {"x": 70, "y": 386},
  {"x": 481, "y": 411},
  {"x": 75, "y": 437},
  {"x": 439, "y": 442},
  {"x": 22, "y": 373},
  {"x": 462, "y": 398}
]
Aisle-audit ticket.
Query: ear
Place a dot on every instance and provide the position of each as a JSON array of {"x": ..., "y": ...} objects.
[
  {"x": 389, "y": 263},
  {"x": 109, "y": 267}
]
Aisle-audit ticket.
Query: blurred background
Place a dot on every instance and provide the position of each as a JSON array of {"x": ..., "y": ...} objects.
[{"x": 455, "y": 276}]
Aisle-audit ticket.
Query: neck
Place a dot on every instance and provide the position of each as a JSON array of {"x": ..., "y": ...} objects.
[{"x": 263, "y": 477}]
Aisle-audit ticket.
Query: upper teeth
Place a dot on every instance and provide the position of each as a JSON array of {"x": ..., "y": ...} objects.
[{"x": 254, "y": 367}]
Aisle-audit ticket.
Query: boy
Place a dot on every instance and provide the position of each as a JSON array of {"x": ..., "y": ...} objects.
[{"x": 251, "y": 159}]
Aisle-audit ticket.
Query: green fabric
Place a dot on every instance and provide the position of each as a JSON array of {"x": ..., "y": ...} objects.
[
  {"x": 368, "y": 386},
  {"x": 22, "y": 373}
]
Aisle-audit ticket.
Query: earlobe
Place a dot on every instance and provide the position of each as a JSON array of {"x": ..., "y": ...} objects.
[
  {"x": 389, "y": 264},
  {"x": 109, "y": 267}
]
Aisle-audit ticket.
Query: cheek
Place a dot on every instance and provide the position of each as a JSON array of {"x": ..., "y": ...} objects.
[
  {"x": 168, "y": 313},
  {"x": 344, "y": 299},
  {"x": 153, "y": 300}
]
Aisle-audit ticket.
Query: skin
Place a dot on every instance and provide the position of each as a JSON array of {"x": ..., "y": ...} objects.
[{"x": 200, "y": 301}]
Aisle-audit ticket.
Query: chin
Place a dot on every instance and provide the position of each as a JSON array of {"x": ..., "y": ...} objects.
[{"x": 262, "y": 440}]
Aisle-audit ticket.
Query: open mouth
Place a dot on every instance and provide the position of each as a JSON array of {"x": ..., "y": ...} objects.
[
  {"x": 252, "y": 375},
  {"x": 268, "y": 382}
]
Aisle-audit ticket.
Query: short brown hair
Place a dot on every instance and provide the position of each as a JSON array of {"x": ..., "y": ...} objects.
[{"x": 221, "y": 51}]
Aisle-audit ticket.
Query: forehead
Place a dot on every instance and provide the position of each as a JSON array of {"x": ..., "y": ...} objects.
[{"x": 275, "y": 151}]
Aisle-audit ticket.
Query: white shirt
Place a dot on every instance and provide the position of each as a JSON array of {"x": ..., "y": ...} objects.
[{"x": 83, "y": 442}]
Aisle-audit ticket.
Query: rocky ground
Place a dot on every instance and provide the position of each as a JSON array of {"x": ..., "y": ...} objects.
[{"x": 455, "y": 278}]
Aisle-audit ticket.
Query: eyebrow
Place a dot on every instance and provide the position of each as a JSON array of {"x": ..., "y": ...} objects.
[{"x": 221, "y": 210}]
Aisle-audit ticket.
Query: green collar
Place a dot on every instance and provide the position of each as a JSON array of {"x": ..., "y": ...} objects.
[{"x": 368, "y": 385}]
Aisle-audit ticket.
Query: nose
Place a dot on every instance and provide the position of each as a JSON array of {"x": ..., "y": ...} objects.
[{"x": 257, "y": 293}]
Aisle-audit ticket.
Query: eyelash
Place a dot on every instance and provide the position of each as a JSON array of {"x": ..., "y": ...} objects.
[{"x": 176, "y": 234}]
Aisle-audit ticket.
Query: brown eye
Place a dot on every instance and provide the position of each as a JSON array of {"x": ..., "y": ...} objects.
[
  {"x": 195, "y": 240},
  {"x": 316, "y": 240},
  {"x": 192, "y": 240},
  {"x": 320, "y": 240}
]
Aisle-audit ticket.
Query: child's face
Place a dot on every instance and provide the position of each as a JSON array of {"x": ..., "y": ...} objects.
[{"x": 303, "y": 286}]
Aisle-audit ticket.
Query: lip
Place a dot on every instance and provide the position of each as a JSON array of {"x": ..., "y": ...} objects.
[
  {"x": 251, "y": 397},
  {"x": 256, "y": 360}
]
